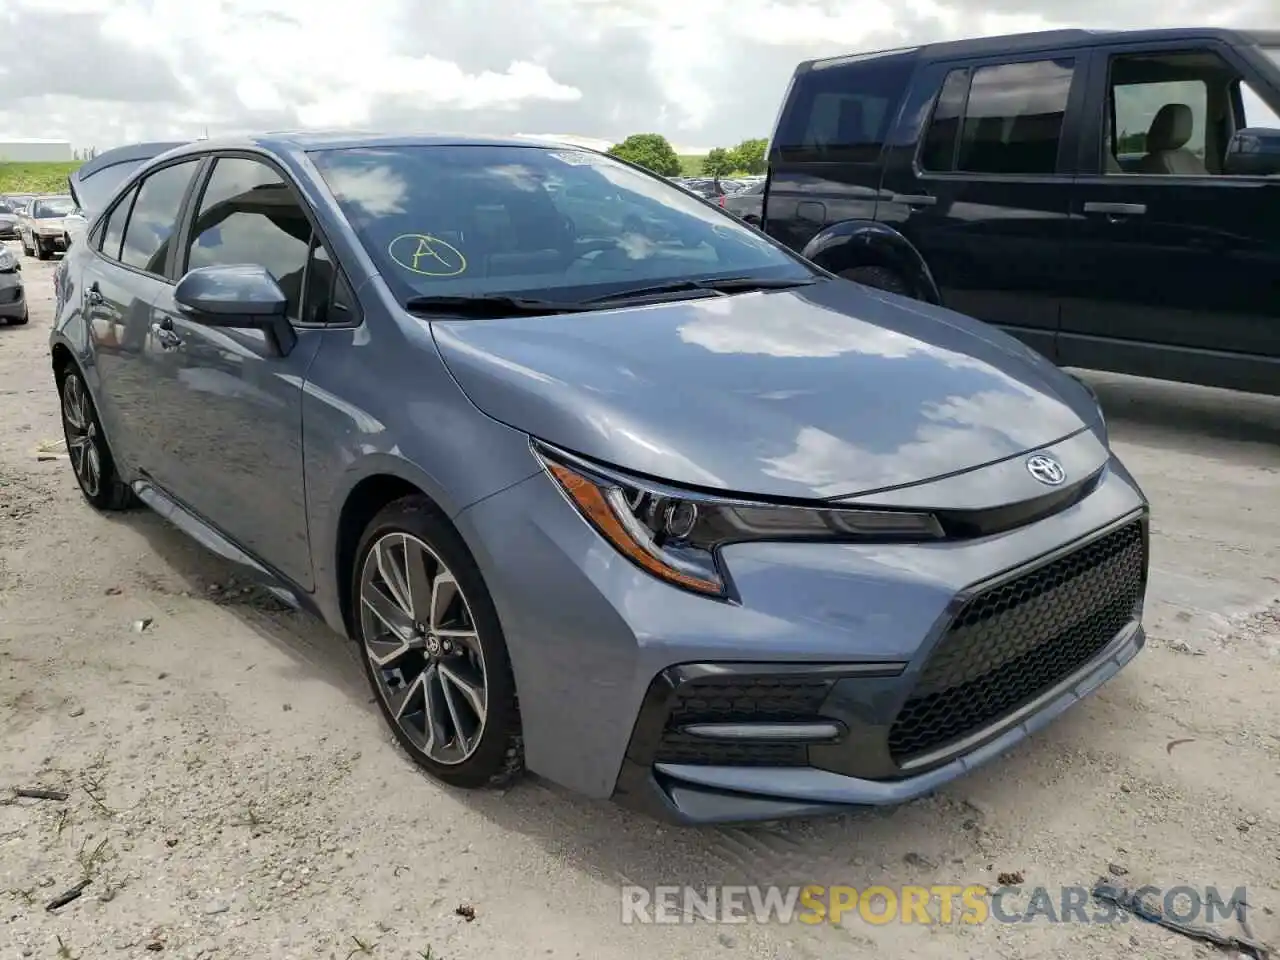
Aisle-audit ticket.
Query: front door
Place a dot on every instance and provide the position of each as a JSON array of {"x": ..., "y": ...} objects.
[
  {"x": 232, "y": 403},
  {"x": 985, "y": 189},
  {"x": 1178, "y": 262}
]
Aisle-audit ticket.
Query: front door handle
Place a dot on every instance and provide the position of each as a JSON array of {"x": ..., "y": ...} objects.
[
  {"x": 914, "y": 200},
  {"x": 162, "y": 330},
  {"x": 1116, "y": 209}
]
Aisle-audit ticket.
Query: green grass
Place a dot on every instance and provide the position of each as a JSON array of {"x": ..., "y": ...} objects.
[
  {"x": 35, "y": 177},
  {"x": 691, "y": 165}
]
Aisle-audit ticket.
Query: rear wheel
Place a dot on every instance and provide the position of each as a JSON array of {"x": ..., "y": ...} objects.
[
  {"x": 882, "y": 278},
  {"x": 433, "y": 648},
  {"x": 91, "y": 459}
]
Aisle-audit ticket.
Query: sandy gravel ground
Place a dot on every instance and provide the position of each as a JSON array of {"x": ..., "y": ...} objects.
[{"x": 232, "y": 792}]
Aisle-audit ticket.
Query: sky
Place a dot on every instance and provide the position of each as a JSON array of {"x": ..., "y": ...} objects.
[{"x": 702, "y": 72}]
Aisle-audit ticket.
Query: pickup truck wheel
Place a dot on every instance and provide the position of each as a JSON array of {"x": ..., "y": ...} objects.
[{"x": 882, "y": 278}]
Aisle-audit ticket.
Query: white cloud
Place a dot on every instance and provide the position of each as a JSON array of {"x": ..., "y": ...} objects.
[{"x": 707, "y": 72}]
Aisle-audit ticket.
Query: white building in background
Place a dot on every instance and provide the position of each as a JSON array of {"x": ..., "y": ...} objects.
[{"x": 35, "y": 151}]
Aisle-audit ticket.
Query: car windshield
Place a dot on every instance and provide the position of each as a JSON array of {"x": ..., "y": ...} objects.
[
  {"x": 559, "y": 224},
  {"x": 53, "y": 207}
]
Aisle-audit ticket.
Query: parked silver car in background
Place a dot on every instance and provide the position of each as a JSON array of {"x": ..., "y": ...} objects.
[{"x": 42, "y": 226}]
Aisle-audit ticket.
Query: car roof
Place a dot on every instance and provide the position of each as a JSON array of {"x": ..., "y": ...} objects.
[
  {"x": 1053, "y": 39},
  {"x": 288, "y": 141}
]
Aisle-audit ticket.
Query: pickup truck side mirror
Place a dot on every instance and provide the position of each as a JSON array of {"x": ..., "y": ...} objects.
[{"x": 1253, "y": 152}]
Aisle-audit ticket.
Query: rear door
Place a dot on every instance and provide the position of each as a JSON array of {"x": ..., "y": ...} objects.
[
  {"x": 984, "y": 191},
  {"x": 1178, "y": 264},
  {"x": 119, "y": 286}
]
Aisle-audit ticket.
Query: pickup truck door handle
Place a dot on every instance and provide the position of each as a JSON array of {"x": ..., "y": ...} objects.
[
  {"x": 914, "y": 199},
  {"x": 1116, "y": 209}
]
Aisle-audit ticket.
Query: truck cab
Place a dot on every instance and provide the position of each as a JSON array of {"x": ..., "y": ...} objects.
[{"x": 1110, "y": 198}]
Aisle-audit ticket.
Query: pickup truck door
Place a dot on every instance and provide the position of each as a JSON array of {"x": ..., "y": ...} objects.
[
  {"x": 1177, "y": 264},
  {"x": 978, "y": 179}
]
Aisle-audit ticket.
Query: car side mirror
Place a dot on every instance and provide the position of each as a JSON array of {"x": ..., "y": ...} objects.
[
  {"x": 244, "y": 296},
  {"x": 1253, "y": 152}
]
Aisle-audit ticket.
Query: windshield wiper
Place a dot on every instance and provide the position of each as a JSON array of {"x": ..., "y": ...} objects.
[
  {"x": 490, "y": 305},
  {"x": 722, "y": 285}
]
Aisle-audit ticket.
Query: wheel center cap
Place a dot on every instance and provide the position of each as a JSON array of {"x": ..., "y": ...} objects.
[{"x": 433, "y": 645}]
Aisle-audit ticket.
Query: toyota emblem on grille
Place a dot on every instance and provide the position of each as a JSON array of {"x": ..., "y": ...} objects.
[{"x": 1046, "y": 469}]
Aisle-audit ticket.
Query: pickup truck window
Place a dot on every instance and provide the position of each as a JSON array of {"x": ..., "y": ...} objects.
[
  {"x": 1013, "y": 119},
  {"x": 841, "y": 113},
  {"x": 1160, "y": 104},
  {"x": 938, "y": 150}
]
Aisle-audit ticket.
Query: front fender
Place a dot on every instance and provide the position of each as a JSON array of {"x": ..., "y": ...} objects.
[{"x": 858, "y": 243}]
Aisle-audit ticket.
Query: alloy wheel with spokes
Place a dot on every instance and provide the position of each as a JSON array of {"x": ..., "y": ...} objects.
[
  {"x": 82, "y": 436},
  {"x": 423, "y": 648},
  {"x": 434, "y": 649},
  {"x": 91, "y": 460}
]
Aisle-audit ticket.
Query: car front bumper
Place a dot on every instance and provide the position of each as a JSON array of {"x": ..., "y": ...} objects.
[
  {"x": 13, "y": 302},
  {"x": 842, "y": 675},
  {"x": 52, "y": 240}
]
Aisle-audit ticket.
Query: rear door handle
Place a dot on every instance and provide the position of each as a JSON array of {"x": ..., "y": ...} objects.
[
  {"x": 1116, "y": 209},
  {"x": 914, "y": 199}
]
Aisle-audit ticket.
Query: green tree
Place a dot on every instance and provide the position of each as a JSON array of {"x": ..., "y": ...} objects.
[
  {"x": 749, "y": 155},
  {"x": 718, "y": 163},
  {"x": 649, "y": 150}
]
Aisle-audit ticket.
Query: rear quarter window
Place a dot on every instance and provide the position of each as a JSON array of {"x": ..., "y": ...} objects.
[{"x": 841, "y": 112}]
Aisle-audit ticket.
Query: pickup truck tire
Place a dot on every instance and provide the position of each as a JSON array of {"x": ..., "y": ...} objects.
[{"x": 882, "y": 278}]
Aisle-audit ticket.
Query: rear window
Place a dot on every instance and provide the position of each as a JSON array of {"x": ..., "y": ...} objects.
[
  {"x": 96, "y": 190},
  {"x": 841, "y": 112}
]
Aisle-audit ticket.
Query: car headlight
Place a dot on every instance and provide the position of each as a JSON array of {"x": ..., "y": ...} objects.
[
  {"x": 8, "y": 261},
  {"x": 675, "y": 535}
]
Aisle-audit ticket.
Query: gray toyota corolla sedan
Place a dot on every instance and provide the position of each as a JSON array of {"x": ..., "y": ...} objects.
[{"x": 605, "y": 483}]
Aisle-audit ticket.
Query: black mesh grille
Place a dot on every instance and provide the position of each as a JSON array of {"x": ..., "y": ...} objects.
[
  {"x": 1014, "y": 641},
  {"x": 740, "y": 699}
]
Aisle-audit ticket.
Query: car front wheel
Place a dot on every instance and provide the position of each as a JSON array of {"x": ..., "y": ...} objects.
[{"x": 433, "y": 647}]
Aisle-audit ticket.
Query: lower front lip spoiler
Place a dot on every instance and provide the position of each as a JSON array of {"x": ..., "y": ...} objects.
[{"x": 717, "y": 794}]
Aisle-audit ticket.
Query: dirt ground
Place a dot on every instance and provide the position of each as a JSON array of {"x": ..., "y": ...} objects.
[{"x": 233, "y": 793}]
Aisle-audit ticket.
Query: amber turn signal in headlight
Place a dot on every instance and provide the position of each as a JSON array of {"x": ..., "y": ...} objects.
[{"x": 674, "y": 535}]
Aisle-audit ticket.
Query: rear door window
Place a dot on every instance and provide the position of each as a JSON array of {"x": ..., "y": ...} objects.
[
  {"x": 1003, "y": 118},
  {"x": 113, "y": 235},
  {"x": 155, "y": 216},
  {"x": 841, "y": 112}
]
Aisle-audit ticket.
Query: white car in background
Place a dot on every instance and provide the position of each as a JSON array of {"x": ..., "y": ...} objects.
[{"x": 42, "y": 225}]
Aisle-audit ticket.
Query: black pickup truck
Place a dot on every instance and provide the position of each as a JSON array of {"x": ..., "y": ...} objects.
[{"x": 1112, "y": 198}]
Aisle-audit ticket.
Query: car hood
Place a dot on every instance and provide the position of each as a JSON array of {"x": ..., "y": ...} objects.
[{"x": 822, "y": 391}]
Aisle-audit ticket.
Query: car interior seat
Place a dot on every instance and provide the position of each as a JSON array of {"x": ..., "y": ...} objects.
[{"x": 1166, "y": 140}]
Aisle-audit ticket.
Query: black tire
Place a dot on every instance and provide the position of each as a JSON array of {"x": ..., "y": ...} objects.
[
  {"x": 42, "y": 252},
  {"x": 109, "y": 493},
  {"x": 498, "y": 756},
  {"x": 26, "y": 250},
  {"x": 882, "y": 278}
]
